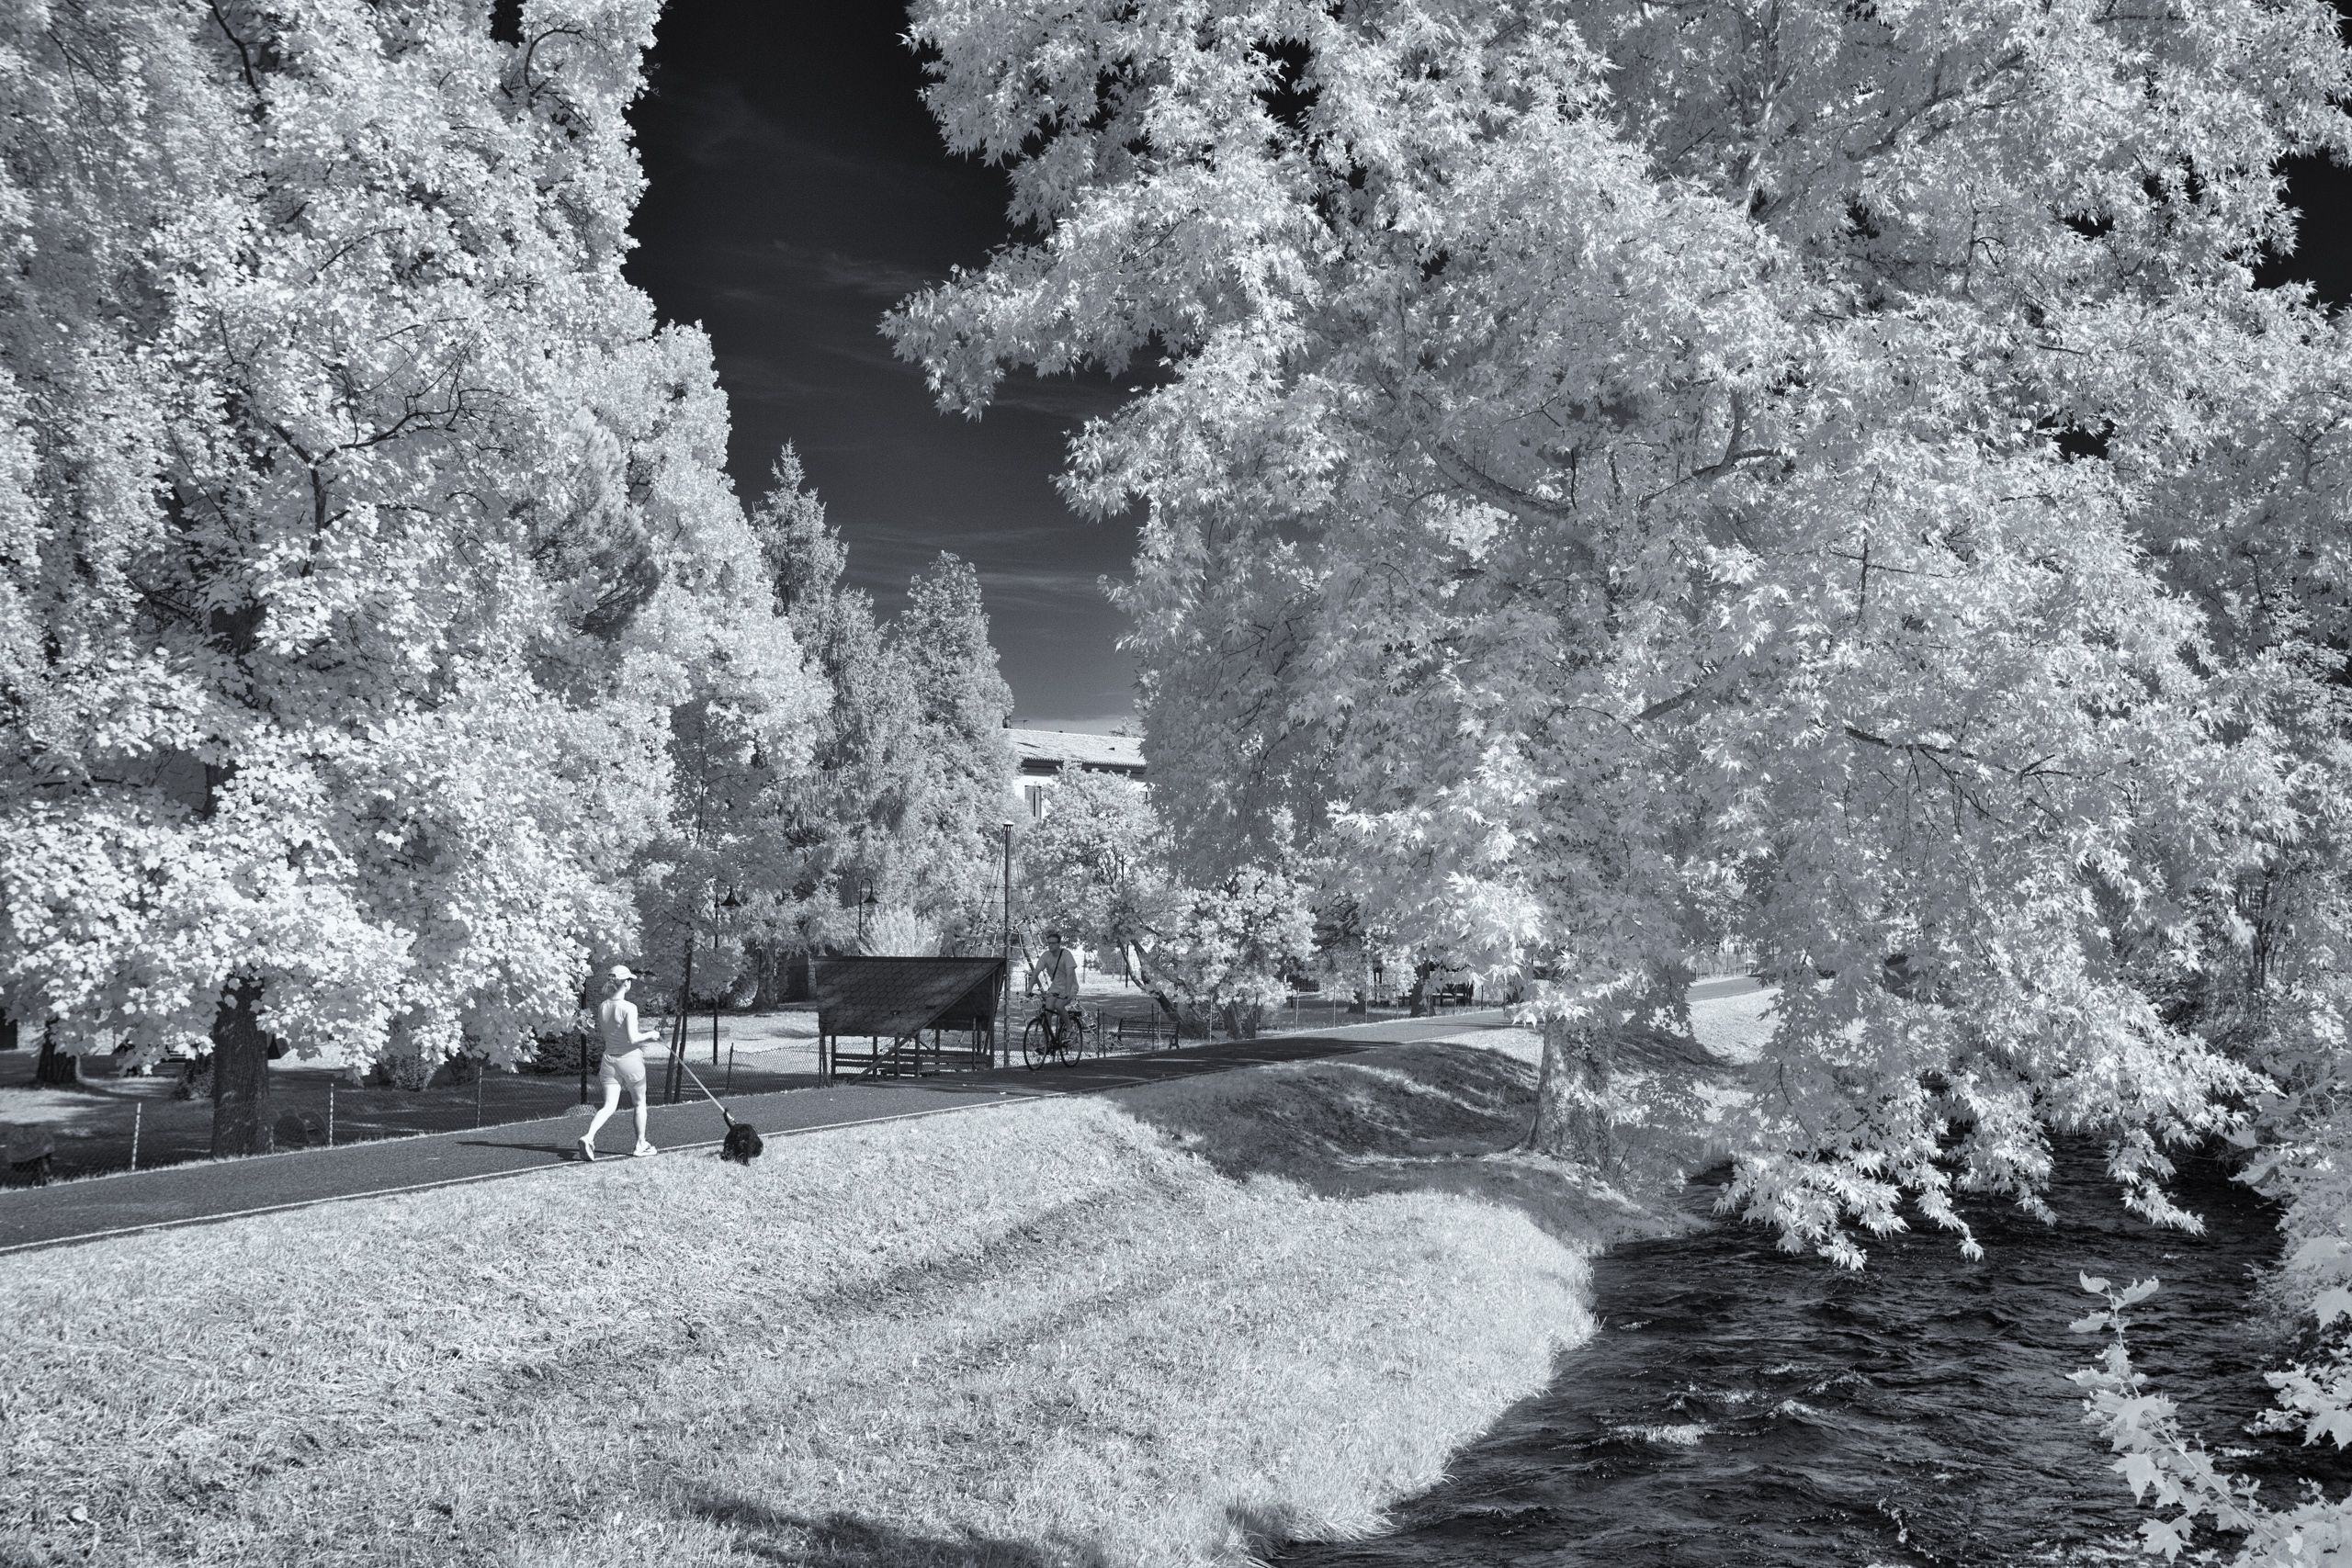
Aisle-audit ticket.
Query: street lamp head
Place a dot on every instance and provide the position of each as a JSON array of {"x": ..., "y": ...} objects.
[{"x": 734, "y": 900}]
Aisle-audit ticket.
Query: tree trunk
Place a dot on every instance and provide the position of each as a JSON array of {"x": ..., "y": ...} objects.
[
  {"x": 1242, "y": 1020},
  {"x": 55, "y": 1069},
  {"x": 1421, "y": 972},
  {"x": 1141, "y": 975},
  {"x": 1572, "y": 1113},
  {"x": 240, "y": 1074},
  {"x": 672, "y": 1080}
]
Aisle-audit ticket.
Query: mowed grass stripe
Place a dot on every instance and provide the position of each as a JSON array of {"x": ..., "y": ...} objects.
[
  {"x": 1085, "y": 1331},
  {"x": 608, "y": 1156}
]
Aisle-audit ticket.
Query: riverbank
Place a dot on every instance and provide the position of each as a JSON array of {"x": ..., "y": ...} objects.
[
  {"x": 1747, "y": 1407},
  {"x": 1167, "y": 1325}
]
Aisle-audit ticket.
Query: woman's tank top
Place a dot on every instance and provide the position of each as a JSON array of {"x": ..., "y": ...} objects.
[{"x": 616, "y": 1022}]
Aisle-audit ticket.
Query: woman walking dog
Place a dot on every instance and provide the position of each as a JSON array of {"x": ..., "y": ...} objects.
[{"x": 624, "y": 1063}]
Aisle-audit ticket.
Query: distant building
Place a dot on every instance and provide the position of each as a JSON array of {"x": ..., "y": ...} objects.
[{"x": 1043, "y": 753}]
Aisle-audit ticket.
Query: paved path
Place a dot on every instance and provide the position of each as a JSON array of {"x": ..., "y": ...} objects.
[{"x": 38, "y": 1217}]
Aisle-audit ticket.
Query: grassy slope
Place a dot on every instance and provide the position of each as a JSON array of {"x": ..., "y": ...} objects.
[{"x": 1043, "y": 1333}]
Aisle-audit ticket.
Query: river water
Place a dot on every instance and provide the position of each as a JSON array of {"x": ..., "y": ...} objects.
[{"x": 1742, "y": 1406}]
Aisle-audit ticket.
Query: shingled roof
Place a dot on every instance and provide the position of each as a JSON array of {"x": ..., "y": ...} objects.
[
  {"x": 1046, "y": 750},
  {"x": 894, "y": 998}
]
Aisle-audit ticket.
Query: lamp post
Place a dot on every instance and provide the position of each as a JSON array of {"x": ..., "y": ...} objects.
[
  {"x": 1005, "y": 1019},
  {"x": 732, "y": 902}
]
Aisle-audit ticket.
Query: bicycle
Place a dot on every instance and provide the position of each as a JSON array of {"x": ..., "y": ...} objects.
[{"x": 1046, "y": 1038}]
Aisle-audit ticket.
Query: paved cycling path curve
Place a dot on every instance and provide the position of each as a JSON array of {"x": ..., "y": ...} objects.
[{"x": 36, "y": 1217}]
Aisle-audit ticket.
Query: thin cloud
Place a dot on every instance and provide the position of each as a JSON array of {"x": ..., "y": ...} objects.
[
  {"x": 722, "y": 127},
  {"x": 827, "y": 267},
  {"x": 1072, "y": 398},
  {"x": 929, "y": 536},
  {"x": 1076, "y": 594}
]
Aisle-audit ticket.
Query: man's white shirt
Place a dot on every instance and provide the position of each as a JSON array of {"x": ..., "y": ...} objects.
[{"x": 1057, "y": 974}]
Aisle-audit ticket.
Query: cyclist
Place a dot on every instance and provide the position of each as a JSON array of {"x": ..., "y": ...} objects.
[{"x": 1056, "y": 975}]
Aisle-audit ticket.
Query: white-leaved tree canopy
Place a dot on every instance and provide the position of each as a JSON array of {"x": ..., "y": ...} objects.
[
  {"x": 1807, "y": 471},
  {"x": 360, "y": 532},
  {"x": 1096, "y": 866}
]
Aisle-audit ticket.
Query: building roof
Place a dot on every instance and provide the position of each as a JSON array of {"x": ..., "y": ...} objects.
[
  {"x": 1043, "y": 751},
  {"x": 899, "y": 996}
]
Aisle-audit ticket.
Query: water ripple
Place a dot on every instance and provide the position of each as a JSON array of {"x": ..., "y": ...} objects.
[{"x": 1745, "y": 1407}]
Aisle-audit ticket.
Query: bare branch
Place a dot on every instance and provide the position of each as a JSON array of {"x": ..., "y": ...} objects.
[{"x": 1519, "y": 503}]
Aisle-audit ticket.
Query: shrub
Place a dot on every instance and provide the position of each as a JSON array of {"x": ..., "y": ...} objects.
[
  {"x": 1227, "y": 947},
  {"x": 196, "y": 1079},
  {"x": 896, "y": 932},
  {"x": 572, "y": 1049},
  {"x": 410, "y": 1072}
]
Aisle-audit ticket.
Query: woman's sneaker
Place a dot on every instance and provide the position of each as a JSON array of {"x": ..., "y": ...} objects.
[
  {"x": 643, "y": 1149},
  {"x": 587, "y": 1148}
]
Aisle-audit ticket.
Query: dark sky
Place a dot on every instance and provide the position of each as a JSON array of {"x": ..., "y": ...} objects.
[{"x": 797, "y": 188}]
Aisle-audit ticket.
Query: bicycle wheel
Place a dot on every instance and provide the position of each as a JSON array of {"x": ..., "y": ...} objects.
[
  {"x": 1074, "y": 1038},
  {"x": 1034, "y": 1043}
]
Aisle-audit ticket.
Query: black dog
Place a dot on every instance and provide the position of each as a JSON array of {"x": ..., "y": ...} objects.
[{"x": 744, "y": 1144}]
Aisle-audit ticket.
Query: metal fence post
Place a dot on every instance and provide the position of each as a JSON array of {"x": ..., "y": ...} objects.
[{"x": 1005, "y": 1055}]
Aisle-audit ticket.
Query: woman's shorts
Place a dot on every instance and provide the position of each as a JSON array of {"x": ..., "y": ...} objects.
[{"x": 627, "y": 1069}]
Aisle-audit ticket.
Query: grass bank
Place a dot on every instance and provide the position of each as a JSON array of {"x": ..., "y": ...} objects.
[{"x": 1160, "y": 1328}]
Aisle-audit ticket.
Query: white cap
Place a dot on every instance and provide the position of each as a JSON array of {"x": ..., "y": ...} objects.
[{"x": 619, "y": 972}]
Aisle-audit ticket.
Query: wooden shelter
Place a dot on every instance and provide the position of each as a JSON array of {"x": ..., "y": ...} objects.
[{"x": 873, "y": 1014}]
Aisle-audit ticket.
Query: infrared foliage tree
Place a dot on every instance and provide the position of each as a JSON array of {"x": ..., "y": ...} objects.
[
  {"x": 1820, "y": 475},
  {"x": 1098, "y": 866},
  {"x": 960, "y": 764},
  {"x": 360, "y": 533},
  {"x": 1095, "y": 866},
  {"x": 1630, "y": 478},
  {"x": 846, "y": 819}
]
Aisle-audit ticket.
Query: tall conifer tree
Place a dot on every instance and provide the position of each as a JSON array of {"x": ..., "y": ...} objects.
[
  {"x": 847, "y": 818},
  {"x": 962, "y": 761}
]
